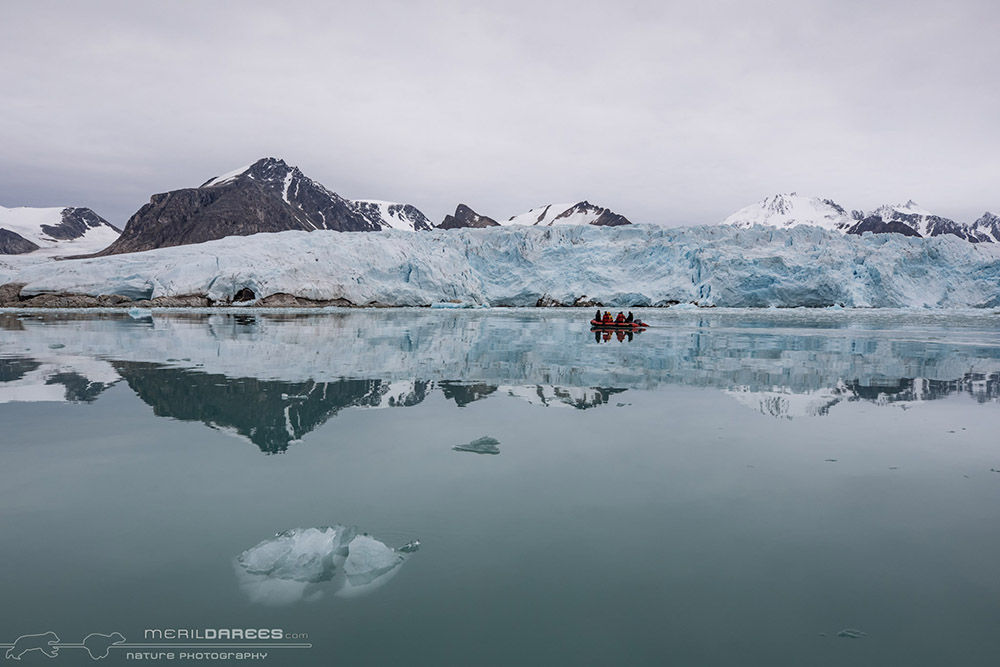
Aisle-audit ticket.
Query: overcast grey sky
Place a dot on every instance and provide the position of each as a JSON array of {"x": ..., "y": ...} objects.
[{"x": 668, "y": 112}]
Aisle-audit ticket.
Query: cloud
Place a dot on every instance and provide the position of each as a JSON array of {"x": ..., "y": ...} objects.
[{"x": 669, "y": 112}]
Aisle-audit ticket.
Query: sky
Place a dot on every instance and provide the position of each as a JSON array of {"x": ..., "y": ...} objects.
[{"x": 672, "y": 113}]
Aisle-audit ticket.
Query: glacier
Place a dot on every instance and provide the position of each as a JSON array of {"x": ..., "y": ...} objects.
[{"x": 634, "y": 265}]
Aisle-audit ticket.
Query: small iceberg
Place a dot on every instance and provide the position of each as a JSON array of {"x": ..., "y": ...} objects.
[
  {"x": 483, "y": 445},
  {"x": 298, "y": 564},
  {"x": 851, "y": 633},
  {"x": 140, "y": 313},
  {"x": 410, "y": 547},
  {"x": 458, "y": 304}
]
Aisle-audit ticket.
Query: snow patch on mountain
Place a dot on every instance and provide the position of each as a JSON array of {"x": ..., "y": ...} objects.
[
  {"x": 581, "y": 213},
  {"x": 227, "y": 177},
  {"x": 391, "y": 215},
  {"x": 542, "y": 215}
]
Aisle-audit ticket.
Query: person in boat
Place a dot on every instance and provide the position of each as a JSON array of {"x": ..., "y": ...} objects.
[
  {"x": 620, "y": 318},
  {"x": 607, "y": 318},
  {"x": 629, "y": 318},
  {"x": 597, "y": 317}
]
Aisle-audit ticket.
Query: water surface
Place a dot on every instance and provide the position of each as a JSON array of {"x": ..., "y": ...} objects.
[{"x": 726, "y": 488}]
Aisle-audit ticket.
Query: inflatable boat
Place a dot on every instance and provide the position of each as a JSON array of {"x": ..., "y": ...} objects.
[{"x": 598, "y": 324}]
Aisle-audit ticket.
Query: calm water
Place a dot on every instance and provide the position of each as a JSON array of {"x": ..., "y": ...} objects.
[{"x": 726, "y": 489}]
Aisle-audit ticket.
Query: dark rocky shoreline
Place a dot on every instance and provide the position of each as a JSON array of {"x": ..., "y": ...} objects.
[{"x": 11, "y": 297}]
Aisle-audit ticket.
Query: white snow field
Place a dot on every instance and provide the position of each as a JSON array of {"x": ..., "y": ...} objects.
[{"x": 634, "y": 265}]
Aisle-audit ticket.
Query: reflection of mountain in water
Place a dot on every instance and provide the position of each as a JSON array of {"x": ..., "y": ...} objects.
[
  {"x": 274, "y": 414},
  {"x": 575, "y": 397},
  {"x": 15, "y": 368},
  {"x": 273, "y": 379},
  {"x": 25, "y": 379},
  {"x": 784, "y": 403},
  {"x": 981, "y": 386},
  {"x": 269, "y": 413}
]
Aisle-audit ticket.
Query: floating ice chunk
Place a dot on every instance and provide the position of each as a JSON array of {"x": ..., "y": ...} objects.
[
  {"x": 299, "y": 554},
  {"x": 368, "y": 559},
  {"x": 56, "y": 346},
  {"x": 410, "y": 547},
  {"x": 140, "y": 313},
  {"x": 851, "y": 633},
  {"x": 483, "y": 445},
  {"x": 295, "y": 564},
  {"x": 458, "y": 304}
]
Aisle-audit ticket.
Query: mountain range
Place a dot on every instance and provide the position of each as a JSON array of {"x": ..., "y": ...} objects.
[
  {"x": 271, "y": 196},
  {"x": 909, "y": 219}
]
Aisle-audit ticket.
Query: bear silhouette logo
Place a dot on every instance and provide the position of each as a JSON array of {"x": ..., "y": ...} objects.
[
  {"x": 43, "y": 642},
  {"x": 99, "y": 646}
]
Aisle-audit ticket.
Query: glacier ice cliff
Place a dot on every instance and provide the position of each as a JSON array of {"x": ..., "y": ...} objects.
[{"x": 634, "y": 265}]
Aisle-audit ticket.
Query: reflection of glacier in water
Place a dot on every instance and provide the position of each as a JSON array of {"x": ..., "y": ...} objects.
[
  {"x": 295, "y": 564},
  {"x": 271, "y": 378}
]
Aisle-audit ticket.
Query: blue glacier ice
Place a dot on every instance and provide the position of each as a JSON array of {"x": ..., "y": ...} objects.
[{"x": 635, "y": 265}]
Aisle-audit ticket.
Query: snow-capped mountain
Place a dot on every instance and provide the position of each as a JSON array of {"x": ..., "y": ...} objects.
[
  {"x": 790, "y": 210},
  {"x": 465, "y": 217},
  {"x": 987, "y": 227},
  {"x": 898, "y": 217},
  {"x": 581, "y": 213},
  {"x": 909, "y": 219},
  {"x": 266, "y": 196},
  {"x": 60, "y": 230}
]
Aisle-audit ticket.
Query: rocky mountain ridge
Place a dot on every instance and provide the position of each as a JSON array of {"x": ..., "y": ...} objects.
[{"x": 466, "y": 218}]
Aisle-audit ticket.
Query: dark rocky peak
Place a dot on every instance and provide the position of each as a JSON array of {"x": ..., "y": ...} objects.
[
  {"x": 12, "y": 243},
  {"x": 271, "y": 170},
  {"x": 466, "y": 217},
  {"x": 265, "y": 170},
  {"x": 266, "y": 196},
  {"x": 987, "y": 219},
  {"x": 876, "y": 225}
]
